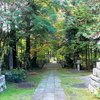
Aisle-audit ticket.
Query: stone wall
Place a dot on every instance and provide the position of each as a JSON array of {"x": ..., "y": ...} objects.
[
  {"x": 2, "y": 83},
  {"x": 94, "y": 85}
]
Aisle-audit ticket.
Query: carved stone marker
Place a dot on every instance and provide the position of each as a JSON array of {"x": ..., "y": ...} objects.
[{"x": 94, "y": 85}]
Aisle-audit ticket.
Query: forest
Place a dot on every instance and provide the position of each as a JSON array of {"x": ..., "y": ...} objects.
[{"x": 31, "y": 31}]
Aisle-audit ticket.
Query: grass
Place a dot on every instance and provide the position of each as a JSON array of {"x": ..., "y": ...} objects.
[
  {"x": 13, "y": 92},
  {"x": 74, "y": 93},
  {"x": 67, "y": 80},
  {"x": 67, "y": 72}
]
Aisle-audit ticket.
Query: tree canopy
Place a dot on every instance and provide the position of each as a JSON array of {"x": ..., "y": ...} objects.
[{"x": 31, "y": 29}]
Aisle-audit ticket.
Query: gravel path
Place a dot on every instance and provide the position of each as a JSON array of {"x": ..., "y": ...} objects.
[{"x": 86, "y": 79}]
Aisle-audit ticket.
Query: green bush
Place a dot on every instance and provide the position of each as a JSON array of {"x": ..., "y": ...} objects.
[{"x": 16, "y": 75}]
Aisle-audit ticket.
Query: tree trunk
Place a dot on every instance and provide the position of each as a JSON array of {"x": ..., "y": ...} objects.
[
  {"x": 74, "y": 60},
  {"x": 28, "y": 45},
  {"x": 95, "y": 56},
  {"x": 27, "y": 62},
  {"x": 88, "y": 53},
  {"x": 12, "y": 54},
  {"x": 86, "y": 57},
  {"x": 91, "y": 56},
  {"x": 11, "y": 66},
  {"x": 35, "y": 57}
]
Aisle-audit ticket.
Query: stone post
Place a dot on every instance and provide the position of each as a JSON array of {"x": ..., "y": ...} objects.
[
  {"x": 2, "y": 83},
  {"x": 94, "y": 85},
  {"x": 78, "y": 64},
  {"x": 2, "y": 80}
]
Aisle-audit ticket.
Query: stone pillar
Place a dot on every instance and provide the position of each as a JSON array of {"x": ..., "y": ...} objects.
[
  {"x": 2, "y": 83},
  {"x": 94, "y": 85},
  {"x": 2, "y": 80},
  {"x": 78, "y": 64}
]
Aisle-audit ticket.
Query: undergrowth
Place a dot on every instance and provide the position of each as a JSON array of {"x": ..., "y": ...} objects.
[{"x": 13, "y": 92}]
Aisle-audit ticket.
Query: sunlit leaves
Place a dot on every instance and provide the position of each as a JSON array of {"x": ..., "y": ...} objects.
[
  {"x": 80, "y": 15},
  {"x": 42, "y": 22}
]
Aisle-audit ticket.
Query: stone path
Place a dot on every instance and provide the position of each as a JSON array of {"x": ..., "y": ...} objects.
[{"x": 50, "y": 86}]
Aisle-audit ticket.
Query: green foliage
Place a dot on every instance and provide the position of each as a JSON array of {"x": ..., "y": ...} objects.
[
  {"x": 16, "y": 75},
  {"x": 68, "y": 62},
  {"x": 42, "y": 22},
  {"x": 1, "y": 60},
  {"x": 82, "y": 16},
  {"x": 68, "y": 19},
  {"x": 35, "y": 18},
  {"x": 22, "y": 93},
  {"x": 41, "y": 55}
]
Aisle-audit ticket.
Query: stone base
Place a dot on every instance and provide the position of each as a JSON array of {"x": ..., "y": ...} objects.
[
  {"x": 94, "y": 83},
  {"x": 94, "y": 86},
  {"x": 98, "y": 65},
  {"x": 2, "y": 83},
  {"x": 96, "y": 72},
  {"x": 92, "y": 89},
  {"x": 97, "y": 79}
]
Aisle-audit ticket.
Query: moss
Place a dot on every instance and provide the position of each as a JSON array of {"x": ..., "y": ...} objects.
[{"x": 68, "y": 79}]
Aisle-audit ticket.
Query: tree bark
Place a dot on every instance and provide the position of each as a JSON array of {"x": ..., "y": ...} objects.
[
  {"x": 11, "y": 66},
  {"x": 27, "y": 62},
  {"x": 12, "y": 54},
  {"x": 86, "y": 57}
]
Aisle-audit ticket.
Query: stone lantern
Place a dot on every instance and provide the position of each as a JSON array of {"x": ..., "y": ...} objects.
[{"x": 78, "y": 62}]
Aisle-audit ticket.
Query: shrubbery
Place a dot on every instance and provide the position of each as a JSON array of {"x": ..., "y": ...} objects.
[{"x": 16, "y": 75}]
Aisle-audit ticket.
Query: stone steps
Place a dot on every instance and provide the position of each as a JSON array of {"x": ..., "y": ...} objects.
[{"x": 94, "y": 85}]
